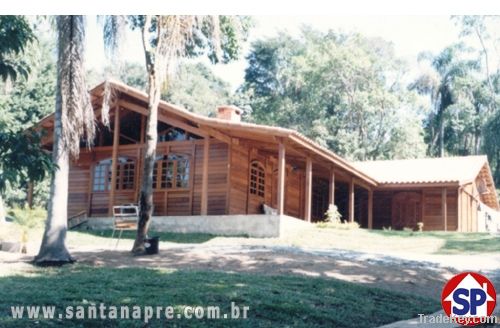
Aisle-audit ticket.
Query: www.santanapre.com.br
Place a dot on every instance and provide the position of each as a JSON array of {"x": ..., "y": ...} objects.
[{"x": 144, "y": 313}]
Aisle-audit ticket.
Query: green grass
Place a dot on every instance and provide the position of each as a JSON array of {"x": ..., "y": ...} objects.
[
  {"x": 451, "y": 242},
  {"x": 273, "y": 300}
]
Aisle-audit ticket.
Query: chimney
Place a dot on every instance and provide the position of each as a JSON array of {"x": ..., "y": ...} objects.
[{"x": 229, "y": 113}]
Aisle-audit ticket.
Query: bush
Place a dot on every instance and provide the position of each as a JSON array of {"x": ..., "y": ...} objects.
[
  {"x": 332, "y": 214},
  {"x": 28, "y": 218}
]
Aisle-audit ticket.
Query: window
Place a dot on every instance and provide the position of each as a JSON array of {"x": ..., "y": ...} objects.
[
  {"x": 125, "y": 175},
  {"x": 257, "y": 179},
  {"x": 102, "y": 175},
  {"x": 171, "y": 172}
]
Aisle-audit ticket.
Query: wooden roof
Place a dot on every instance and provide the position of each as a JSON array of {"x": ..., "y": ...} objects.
[
  {"x": 450, "y": 171},
  {"x": 267, "y": 137},
  {"x": 431, "y": 171}
]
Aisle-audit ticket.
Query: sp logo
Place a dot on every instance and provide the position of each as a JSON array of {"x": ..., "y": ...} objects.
[{"x": 468, "y": 298}]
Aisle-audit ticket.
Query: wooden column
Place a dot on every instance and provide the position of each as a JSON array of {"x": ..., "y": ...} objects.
[
  {"x": 308, "y": 191},
  {"x": 29, "y": 194},
  {"x": 331, "y": 188},
  {"x": 281, "y": 179},
  {"x": 143, "y": 124},
  {"x": 114, "y": 160},
  {"x": 204, "y": 181},
  {"x": 444, "y": 209},
  {"x": 351, "y": 200},
  {"x": 459, "y": 209},
  {"x": 370, "y": 209}
]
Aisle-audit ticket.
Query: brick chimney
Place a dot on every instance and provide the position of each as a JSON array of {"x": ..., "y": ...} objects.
[{"x": 229, "y": 113}]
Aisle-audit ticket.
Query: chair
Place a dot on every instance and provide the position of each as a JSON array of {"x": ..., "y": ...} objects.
[{"x": 125, "y": 217}]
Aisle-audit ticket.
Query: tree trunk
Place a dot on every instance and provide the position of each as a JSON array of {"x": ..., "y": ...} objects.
[
  {"x": 441, "y": 136},
  {"x": 146, "y": 194},
  {"x": 2, "y": 211},
  {"x": 53, "y": 250}
]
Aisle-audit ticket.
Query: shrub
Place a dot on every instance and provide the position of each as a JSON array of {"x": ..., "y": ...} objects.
[
  {"x": 28, "y": 218},
  {"x": 332, "y": 214}
]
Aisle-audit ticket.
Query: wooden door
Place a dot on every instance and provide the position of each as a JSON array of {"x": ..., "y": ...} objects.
[{"x": 406, "y": 210}]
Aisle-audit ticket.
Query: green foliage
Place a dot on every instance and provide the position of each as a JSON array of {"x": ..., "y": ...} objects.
[
  {"x": 451, "y": 125},
  {"x": 31, "y": 99},
  {"x": 332, "y": 214},
  {"x": 233, "y": 32},
  {"x": 22, "y": 158},
  {"x": 15, "y": 35},
  {"x": 341, "y": 90},
  {"x": 28, "y": 218},
  {"x": 492, "y": 144},
  {"x": 196, "y": 88}
]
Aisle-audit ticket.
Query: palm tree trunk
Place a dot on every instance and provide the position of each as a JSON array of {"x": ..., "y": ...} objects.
[
  {"x": 441, "y": 136},
  {"x": 53, "y": 250},
  {"x": 74, "y": 118},
  {"x": 146, "y": 194}
]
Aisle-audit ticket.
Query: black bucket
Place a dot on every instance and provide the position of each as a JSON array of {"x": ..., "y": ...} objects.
[{"x": 152, "y": 244}]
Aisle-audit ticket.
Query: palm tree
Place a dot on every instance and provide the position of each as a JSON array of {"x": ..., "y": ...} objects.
[
  {"x": 441, "y": 85},
  {"x": 74, "y": 119}
]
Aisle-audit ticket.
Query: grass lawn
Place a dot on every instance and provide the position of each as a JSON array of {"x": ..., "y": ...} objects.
[
  {"x": 182, "y": 238},
  {"x": 382, "y": 241},
  {"x": 272, "y": 300},
  {"x": 451, "y": 242}
]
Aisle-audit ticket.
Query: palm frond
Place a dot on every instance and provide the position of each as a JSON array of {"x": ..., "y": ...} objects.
[{"x": 77, "y": 115}]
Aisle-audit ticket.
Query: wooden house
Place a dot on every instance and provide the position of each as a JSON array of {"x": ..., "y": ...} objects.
[{"x": 223, "y": 166}]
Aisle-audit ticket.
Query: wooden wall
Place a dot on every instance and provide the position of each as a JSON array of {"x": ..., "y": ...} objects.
[
  {"x": 423, "y": 205},
  {"x": 242, "y": 202},
  {"x": 79, "y": 181},
  {"x": 432, "y": 209},
  {"x": 468, "y": 208},
  {"x": 217, "y": 178},
  {"x": 166, "y": 202}
]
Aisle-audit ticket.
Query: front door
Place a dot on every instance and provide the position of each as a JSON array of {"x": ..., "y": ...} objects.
[{"x": 406, "y": 210}]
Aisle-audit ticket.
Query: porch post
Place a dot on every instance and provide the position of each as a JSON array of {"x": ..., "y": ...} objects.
[
  {"x": 308, "y": 191},
  {"x": 281, "y": 179},
  {"x": 370, "y": 209},
  {"x": 204, "y": 181},
  {"x": 331, "y": 189},
  {"x": 114, "y": 160},
  {"x": 444, "y": 209},
  {"x": 351, "y": 200}
]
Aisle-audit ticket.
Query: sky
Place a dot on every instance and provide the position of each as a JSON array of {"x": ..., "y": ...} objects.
[{"x": 409, "y": 34}]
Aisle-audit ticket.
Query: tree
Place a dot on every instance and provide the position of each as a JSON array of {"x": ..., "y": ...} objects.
[
  {"x": 165, "y": 39},
  {"x": 21, "y": 159},
  {"x": 341, "y": 90},
  {"x": 196, "y": 88},
  {"x": 443, "y": 85},
  {"x": 15, "y": 35},
  {"x": 74, "y": 120}
]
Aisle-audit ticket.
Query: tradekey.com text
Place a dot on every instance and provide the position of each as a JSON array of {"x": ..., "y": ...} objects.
[{"x": 144, "y": 313}]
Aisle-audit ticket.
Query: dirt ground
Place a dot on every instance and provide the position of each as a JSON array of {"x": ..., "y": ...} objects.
[{"x": 403, "y": 276}]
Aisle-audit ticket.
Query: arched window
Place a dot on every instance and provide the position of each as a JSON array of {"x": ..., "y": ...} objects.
[
  {"x": 171, "y": 171},
  {"x": 257, "y": 179},
  {"x": 125, "y": 174}
]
